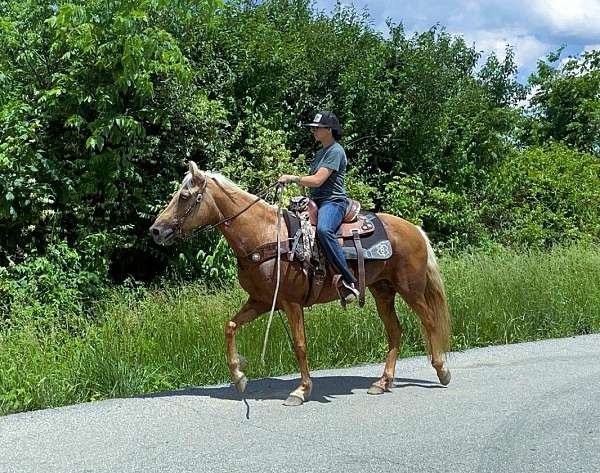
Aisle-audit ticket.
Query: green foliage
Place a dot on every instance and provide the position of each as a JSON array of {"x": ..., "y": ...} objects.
[
  {"x": 220, "y": 266},
  {"x": 545, "y": 196},
  {"x": 451, "y": 219},
  {"x": 358, "y": 188},
  {"x": 261, "y": 161},
  {"x": 566, "y": 102},
  {"x": 214, "y": 263},
  {"x": 57, "y": 285},
  {"x": 536, "y": 198},
  {"x": 26, "y": 194},
  {"x": 405, "y": 197},
  {"x": 91, "y": 96}
]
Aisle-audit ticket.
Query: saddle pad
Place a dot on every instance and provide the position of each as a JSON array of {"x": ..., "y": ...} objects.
[{"x": 375, "y": 245}]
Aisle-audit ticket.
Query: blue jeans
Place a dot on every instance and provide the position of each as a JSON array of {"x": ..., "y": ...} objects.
[{"x": 331, "y": 214}]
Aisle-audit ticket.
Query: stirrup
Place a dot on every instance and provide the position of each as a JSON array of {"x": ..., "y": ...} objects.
[{"x": 347, "y": 292}]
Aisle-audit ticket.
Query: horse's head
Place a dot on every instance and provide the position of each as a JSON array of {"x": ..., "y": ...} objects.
[{"x": 190, "y": 207}]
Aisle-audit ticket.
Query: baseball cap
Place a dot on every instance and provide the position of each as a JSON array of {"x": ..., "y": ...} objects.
[{"x": 325, "y": 120}]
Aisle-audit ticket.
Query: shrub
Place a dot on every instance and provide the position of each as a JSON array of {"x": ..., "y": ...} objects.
[
  {"x": 61, "y": 283},
  {"x": 545, "y": 196},
  {"x": 450, "y": 218}
]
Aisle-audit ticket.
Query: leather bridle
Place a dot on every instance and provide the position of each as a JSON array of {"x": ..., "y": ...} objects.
[
  {"x": 198, "y": 199},
  {"x": 189, "y": 210}
]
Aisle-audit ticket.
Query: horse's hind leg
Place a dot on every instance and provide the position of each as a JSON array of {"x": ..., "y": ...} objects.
[
  {"x": 384, "y": 298},
  {"x": 435, "y": 339},
  {"x": 236, "y": 362}
]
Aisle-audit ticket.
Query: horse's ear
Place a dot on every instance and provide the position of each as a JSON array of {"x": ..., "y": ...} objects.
[
  {"x": 197, "y": 176},
  {"x": 194, "y": 171}
]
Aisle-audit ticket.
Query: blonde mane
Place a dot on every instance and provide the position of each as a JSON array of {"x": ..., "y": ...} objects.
[
  {"x": 220, "y": 178},
  {"x": 230, "y": 188},
  {"x": 224, "y": 181}
]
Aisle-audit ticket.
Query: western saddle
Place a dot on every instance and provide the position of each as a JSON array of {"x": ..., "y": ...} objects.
[{"x": 301, "y": 221}]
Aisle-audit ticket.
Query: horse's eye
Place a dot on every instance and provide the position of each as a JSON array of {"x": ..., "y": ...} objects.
[{"x": 185, "y": 195}]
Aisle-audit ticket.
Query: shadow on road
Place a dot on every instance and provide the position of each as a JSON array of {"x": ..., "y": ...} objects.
[{"x": 325, "y": 388}]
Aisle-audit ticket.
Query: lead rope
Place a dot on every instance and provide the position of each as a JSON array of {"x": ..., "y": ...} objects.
[{"x": 279, "y": 191}]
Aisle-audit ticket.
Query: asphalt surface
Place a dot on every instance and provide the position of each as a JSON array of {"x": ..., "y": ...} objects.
[{"x": 532, "y": 407}]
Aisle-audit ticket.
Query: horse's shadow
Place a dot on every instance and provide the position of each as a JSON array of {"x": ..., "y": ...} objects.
[{"x": 325, "y": 388}]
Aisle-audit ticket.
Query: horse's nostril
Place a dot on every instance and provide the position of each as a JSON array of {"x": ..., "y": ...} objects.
[{"x": 154, "y": 231}]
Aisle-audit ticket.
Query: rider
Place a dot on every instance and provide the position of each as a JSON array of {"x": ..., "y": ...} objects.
[{"x": 326, "y": 181}]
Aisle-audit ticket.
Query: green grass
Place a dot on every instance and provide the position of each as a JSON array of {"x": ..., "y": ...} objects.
[{"x": 147, "y": 341}]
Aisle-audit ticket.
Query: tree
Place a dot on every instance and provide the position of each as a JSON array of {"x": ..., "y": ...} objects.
[{"x": 566, "y": 103}]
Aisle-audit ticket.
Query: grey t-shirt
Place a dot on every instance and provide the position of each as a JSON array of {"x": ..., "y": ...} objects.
[{"x": 333, "y": 157}]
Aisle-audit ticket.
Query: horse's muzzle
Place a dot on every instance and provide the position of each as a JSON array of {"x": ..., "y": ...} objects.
[{"x": 162, "y": 235}]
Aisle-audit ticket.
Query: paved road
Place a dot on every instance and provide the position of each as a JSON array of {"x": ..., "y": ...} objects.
[{"x": 532, "y": 407}]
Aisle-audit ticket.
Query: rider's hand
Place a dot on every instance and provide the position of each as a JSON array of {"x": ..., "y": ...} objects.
[{"x": 286, "y": 179}]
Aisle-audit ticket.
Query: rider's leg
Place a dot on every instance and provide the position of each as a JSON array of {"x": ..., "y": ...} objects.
[{"x": 331, "y": 214}]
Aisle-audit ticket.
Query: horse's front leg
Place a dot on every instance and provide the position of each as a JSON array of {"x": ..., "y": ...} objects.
[
  {"x": 295, "y": 315},
  {"x": 236, "y": 362}
]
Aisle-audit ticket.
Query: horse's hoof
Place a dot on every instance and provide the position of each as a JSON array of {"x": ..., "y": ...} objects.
[
  {"x": 241, "y": 383},
  {"x": 375, "y": 389},
  {"x": 242, "y": 362},
  {"x": 293, "y": 400},
  {"x": 444, "y": 377}
]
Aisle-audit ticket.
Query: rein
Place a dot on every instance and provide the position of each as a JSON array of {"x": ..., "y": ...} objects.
[{"x": 278, "y": 231}]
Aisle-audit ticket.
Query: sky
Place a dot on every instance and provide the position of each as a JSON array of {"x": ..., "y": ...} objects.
[{"x": 533, "y": 28}]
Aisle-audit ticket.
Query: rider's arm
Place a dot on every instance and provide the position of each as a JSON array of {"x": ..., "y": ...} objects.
[{"x": 316, "y": 180}]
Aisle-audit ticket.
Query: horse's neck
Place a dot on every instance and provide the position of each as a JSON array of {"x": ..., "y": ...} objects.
[{"x": 253, "y": 227}]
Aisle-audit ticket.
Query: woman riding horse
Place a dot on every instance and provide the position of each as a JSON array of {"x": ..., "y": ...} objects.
[
  {"x": 209, "y": 199},
  {"x": 326, "y": 182}
]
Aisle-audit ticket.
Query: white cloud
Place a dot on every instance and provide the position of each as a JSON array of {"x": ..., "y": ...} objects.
[
  {"x": 591, "y": 47},
  {"x": 488, "y": 41},
  {"x": 569, "y": 17},
  {"x": 528, "y": 49}
]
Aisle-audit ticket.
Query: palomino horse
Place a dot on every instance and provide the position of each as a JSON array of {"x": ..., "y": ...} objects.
[{"x": 208, "y": 199}]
